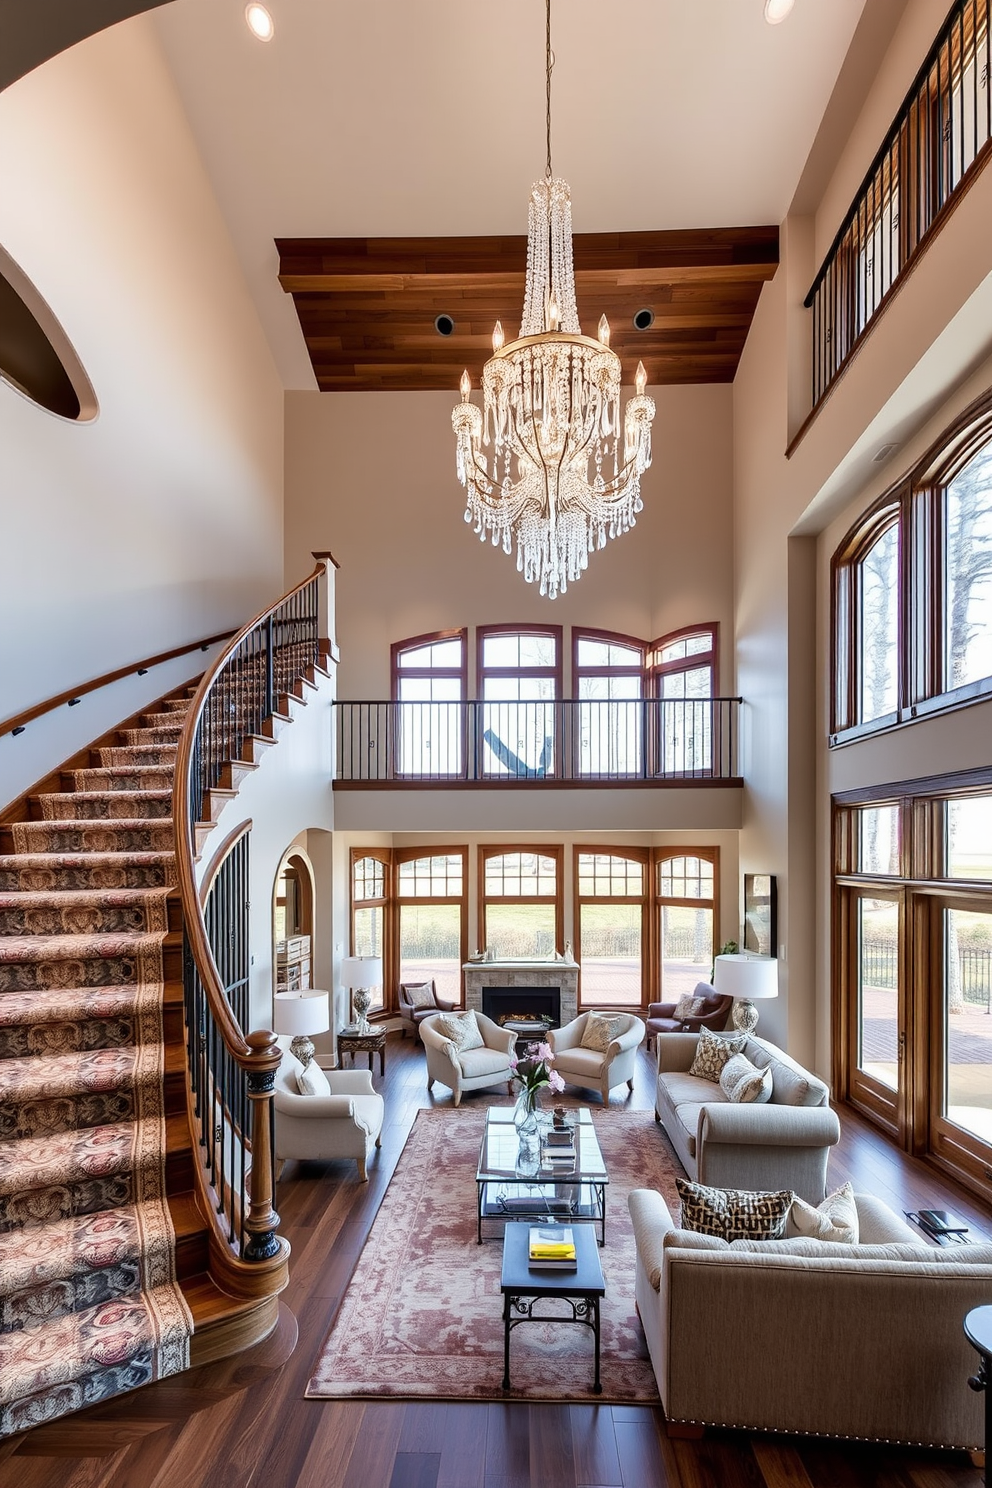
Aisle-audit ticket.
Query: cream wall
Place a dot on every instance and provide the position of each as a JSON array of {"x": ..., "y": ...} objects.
[
  {"x": 371, "y": 476},
  {"x": 161, "y": 522}
]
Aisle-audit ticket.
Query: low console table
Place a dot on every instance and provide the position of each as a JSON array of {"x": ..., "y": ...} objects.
[{"x": 352, "y": 1041}]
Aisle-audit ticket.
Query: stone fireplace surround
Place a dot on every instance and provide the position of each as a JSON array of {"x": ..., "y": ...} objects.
[{"x": 525, "y": 974}]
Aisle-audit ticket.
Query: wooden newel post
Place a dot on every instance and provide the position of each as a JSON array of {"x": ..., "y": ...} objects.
[{"x": 262, "y": 1221}]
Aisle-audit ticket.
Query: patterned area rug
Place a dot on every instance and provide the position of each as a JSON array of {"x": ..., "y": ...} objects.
[
  {"x": 89, "y": 1301},
  {"x": 423, "y": 1313}
]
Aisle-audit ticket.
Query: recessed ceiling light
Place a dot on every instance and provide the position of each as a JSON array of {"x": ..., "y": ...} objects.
[
  {"x": 777, "y": 10},
  {"x": 260, "y": 23},
  {"x": 444, "y": 325},
  {"x": 644, "y": 319}
]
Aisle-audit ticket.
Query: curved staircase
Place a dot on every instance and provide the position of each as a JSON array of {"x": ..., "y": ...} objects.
[{"x": 102, "y": 1245}]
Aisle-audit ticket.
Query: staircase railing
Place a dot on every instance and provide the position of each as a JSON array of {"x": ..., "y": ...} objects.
[{"x": 231, "y": 1073}]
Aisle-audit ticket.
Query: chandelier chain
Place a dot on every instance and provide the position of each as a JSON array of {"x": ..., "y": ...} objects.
[{"x": 549, "y": 68}]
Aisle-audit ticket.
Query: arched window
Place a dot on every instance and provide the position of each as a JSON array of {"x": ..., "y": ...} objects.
[
  {"x": 682, "y": 669},
  {"x": 429, "y": 682},
  {"x": 519, "y": 681},
  {"x": 609, "y": 682}
]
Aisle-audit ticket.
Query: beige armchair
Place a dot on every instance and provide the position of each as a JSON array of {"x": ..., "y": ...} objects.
[
  {"x": 591, "y": 1067},
  {"x": 344, "y": 1124},
  {"x": 468, "y": 1069}
]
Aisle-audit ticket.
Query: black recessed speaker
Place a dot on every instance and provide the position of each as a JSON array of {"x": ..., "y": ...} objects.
[
  {"x": 644, "y": 320},
  {"x": 444, "y": 325}
]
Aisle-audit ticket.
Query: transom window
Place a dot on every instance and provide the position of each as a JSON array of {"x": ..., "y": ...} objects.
[{"x": 912, "y": 591}]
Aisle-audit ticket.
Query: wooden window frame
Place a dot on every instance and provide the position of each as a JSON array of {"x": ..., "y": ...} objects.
[
  {"x": 383, "y": 855},
  {"x": 912, "y": 1116},
  {"x": 654, "y": 671},
  {"x": 607, "y": 638},
  {"x": 661, "y": 855},
  {"x": 642, "y": 855},
  {"x": 917, "y": 501},
  {"x": 429, "y": 638},
  {"x": 411, "y": 855},
  {"x": 545, "y": 850}
]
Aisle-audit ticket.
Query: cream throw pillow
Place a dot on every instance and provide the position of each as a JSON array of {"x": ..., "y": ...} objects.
[
  {"x": 836, "y": 1219},
  {"x": 600, "y": 1032},
  {"x": 422, "y": 996},
  {"x": 312, "y": 1080},
  {"x": 742, "y": 1082},
  {"x": 462, "y": 1029},
  {"x": 688, "y": 1006},
  {"x": 712, "y": 1053}
]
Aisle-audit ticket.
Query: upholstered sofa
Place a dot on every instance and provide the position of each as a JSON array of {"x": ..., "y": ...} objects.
[
  {"x": 468, "y": 1069},
  {"x": 812, "y": 1337},
  {"x": 344, "y": 1124},
  {"x": 782, "y": 1144},
  {"x": 712, "y": 1015}
]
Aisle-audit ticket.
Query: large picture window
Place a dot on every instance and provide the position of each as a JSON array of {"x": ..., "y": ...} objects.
[
  {"x": 611, "y": 925},
  {"x": 520, "y": 912},
  {"x": 912, "y": 589},
  {"x": 431, "y": 906},
  {"x": 913, "y": 977}
]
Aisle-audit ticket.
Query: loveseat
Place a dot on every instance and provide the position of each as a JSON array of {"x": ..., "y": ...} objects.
[
  {"x": 810, "y": 1336},
  {"x": 782, "y": 1144}
]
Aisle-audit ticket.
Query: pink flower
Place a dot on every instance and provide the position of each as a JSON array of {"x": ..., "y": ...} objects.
[
  {"x": 555, "y": 1081},
  {"x": 545, "y": 1052}
]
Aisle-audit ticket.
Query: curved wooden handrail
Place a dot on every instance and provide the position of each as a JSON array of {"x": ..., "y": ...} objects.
[
  {"x": 195, "y": 925},
  {"x": 19, "y": 720}
]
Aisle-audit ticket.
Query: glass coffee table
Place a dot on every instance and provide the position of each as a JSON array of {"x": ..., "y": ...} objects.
[{"x": 516, "y": 1186}]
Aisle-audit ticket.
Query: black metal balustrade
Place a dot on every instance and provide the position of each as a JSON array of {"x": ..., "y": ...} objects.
[
  {"x": 939, "y": 139},
  {"x": 266, "y": 663},
  {"x": 570, "y": 740},
  {"x": 219, "y": 1084}
]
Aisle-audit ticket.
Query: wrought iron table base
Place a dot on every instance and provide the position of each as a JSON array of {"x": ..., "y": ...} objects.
[{"x": 584, "y": 1310}]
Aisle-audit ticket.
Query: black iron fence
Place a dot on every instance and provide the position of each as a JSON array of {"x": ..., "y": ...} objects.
[
  {"x": 266, "y": 663},
  {"x": 939, "y": 138},
  {"x": 880, "y": 968},
  {"x": 573, "y": 740}
]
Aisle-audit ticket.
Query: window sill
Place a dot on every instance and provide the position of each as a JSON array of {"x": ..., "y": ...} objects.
[{"x": 947, "y": 702}]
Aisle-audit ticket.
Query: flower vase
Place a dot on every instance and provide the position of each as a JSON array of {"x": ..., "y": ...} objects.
[{"x": 525, "y": 1115}]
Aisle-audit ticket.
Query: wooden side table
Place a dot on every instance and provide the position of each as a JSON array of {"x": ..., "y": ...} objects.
[{"x": 350, "y": 1041}]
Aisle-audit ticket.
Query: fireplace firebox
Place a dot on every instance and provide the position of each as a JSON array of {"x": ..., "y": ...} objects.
[{"x": 523, "y": 1008}]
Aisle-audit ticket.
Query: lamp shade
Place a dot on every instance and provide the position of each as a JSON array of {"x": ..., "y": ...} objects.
[
  {"x": 302, "y": 1012},
  {"x": 361, "y": 971},
  {"x": 750, "y": 977}
]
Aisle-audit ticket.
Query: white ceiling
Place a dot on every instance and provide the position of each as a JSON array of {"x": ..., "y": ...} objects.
[{"x": 420, "y": 117}]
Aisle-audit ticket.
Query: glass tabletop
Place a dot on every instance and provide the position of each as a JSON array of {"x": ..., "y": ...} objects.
[{"x": 502, "y": 1160}]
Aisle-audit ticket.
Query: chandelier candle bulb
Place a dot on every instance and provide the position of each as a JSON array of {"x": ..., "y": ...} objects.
[
  {"x": 604, "y": 333},
  {"x": 497, "y": 338}
]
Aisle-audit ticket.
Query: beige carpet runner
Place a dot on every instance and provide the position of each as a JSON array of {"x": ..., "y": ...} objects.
[
  {"x": 422, "y": 1316},
  {"x": 89, "y": 1302}
]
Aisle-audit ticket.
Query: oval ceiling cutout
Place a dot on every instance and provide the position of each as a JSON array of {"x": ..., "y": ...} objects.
[{"x": 36, "y": 357}]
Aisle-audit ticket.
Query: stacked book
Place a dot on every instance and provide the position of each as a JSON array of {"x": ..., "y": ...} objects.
[
  {"x": 552, "y": 1248},
  {"x": 558, "y": 1148}
]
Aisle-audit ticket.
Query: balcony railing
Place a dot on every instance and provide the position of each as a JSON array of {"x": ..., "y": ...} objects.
[
  {"x": 938, "y": 141},
  {"x": 551, "y": 743}
]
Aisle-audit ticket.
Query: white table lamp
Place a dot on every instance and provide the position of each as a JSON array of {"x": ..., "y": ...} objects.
[
  {"x": 747, "y": 979},
  {"x": 302, "y": 1013},
  {"x": 360, "y": 974}
]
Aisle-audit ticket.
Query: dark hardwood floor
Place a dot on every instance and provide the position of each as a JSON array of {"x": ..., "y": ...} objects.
[{"x": 245, "y": 1421}]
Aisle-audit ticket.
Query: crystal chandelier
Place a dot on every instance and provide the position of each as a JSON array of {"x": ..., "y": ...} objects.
[{"x": 565, "y": 474}]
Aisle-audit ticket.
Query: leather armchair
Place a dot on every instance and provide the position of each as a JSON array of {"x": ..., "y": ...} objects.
[
  {"x": 413, "y": 1017},
  {"x": 345, "y": 1124},
  {"x": 468, "y": 1069},
  {"x": 661, "y": 1015},
  {"x": 590, "y": 1068}
]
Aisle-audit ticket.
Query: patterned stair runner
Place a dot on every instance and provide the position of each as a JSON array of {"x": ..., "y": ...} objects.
[{"x": 89, "y": 1301}]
